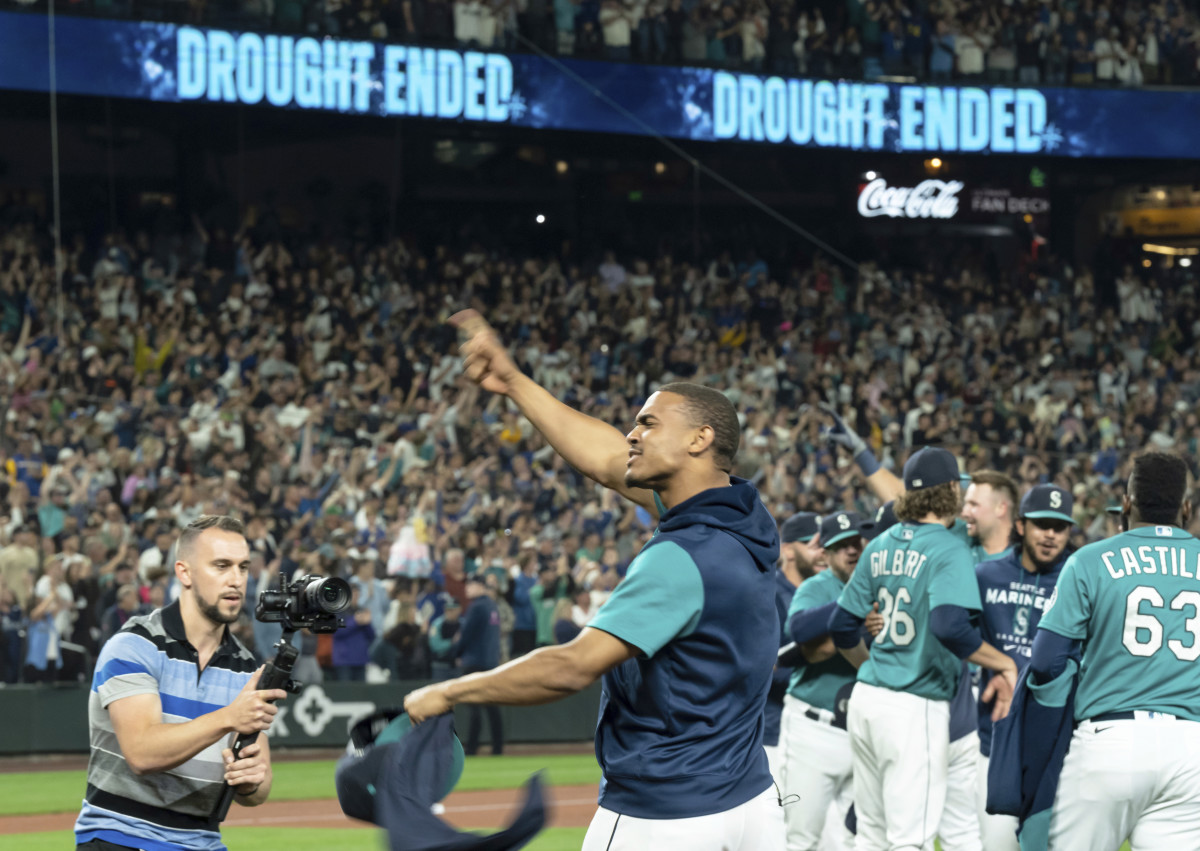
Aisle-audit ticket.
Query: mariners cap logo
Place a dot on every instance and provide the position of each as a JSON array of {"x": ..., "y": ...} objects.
[{"x": 917, "y": 483}]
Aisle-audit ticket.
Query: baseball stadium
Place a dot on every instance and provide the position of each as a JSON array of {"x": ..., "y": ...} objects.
[{"x": 618, "y": 425}]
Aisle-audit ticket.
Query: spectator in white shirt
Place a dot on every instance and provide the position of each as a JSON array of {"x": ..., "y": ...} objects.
[{"x": 616, "y": 23}]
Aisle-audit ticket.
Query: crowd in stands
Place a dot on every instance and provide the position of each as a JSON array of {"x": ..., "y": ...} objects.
[
  {"x": 1051, "y": 42},
  {"x": 312, "y": 387}
]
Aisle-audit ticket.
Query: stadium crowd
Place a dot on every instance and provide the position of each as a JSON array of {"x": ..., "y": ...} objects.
[
  {"x": 1062, "y": 42},
  {"x": 312, "y": 387}
]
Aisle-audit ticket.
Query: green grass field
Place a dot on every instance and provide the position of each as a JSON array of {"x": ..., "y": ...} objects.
[{"x": 61, "y": 791}]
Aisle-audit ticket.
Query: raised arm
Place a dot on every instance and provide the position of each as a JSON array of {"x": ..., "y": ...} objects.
[{"x": 591, "y": 446}]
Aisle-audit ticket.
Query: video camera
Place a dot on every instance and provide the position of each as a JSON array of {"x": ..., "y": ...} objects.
[{"x": 311, "y": 602}]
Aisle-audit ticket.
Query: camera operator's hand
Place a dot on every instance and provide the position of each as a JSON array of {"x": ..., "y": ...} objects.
[
  {"x": 425, "y": 703},
  {"x": 250, "y": 711},
  {"x": 246, "y": 773}
]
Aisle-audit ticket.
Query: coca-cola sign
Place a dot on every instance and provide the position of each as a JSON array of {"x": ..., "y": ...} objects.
[{"x": 929, "y": 199}]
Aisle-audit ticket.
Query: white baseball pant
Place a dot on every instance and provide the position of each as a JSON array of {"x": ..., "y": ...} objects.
[
  {"x": 901, "y": 748},
  {"x": 999, "y": 832},
  {"x": 756, "y": 825},
  {"x": 816, "y": 779},
  {"x": 1137, "y": 780},
  {"x": 959, "y": 827}
]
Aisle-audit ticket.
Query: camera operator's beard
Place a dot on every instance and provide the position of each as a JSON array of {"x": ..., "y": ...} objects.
[{"x": 213, "y": 612}]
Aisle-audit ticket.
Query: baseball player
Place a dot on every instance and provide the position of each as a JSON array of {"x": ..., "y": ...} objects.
[
  {"x": 899, "y": 718},
  {"x": 795, "y": 565},
  {"x": 1015, "y": 589},
  {"x": 1130, "y": 605},
  {"x": 687, "y": 643},
  {"x": 959, "y": 828},
  {"x": 985, "y": 526},
  {"x": 988, "y": 514},
  {"x": 816, "y": 764}
]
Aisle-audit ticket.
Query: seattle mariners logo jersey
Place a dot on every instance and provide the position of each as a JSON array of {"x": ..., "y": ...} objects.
[
  {"x": 910, "y": 570},
  {"x": 1134, "y": 602}
]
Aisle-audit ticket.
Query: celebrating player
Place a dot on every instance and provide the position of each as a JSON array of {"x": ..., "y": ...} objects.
[
  {"x": 1015, "y": 590},
  {"x": 1130, "y": 605},
  {"x": 798, "y": 555},
  {"x": 921, "y": 576},
  {"x": 817, "y": 761},
  {"x": 685, "y": 645}
]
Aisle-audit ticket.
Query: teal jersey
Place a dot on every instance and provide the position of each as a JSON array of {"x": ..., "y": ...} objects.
[
  {"x": 910, "y": 570},
  {"x": 817, "y": 684},
  {"x": 1134, "y": 601}
]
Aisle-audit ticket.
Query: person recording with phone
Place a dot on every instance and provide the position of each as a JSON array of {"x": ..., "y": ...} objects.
[{"x": 171, "y": 691}]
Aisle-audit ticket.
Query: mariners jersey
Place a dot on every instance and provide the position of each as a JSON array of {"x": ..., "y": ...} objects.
[
  {"x": 910, "y": 570},
  {"x": 817, "y": 684},
  {"x": 1013, "y": 602},
  {"x": 1134, "y": 602}
]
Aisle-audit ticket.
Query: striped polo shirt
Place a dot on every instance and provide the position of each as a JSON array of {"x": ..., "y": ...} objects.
[{"x": 170, "y": 809}]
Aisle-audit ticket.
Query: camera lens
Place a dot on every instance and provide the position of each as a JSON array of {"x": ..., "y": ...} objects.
[{"x": 327, "y": 594}]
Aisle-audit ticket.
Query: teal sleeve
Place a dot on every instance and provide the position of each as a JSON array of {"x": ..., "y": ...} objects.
[
  {"x": 813, "y": 592},
  {"x": 858, "y": 596},
  {"x": 1055, "y": 692},
  {"x": 953, "y": 581},
  {"x": 1069, "y": 609},
  {"x": 659, "y": 600}
]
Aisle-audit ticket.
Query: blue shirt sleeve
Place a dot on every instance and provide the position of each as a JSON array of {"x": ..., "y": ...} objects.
[
  {"x": 1050, "y": 654},
  {"x": 659, "y": 600},
  {"x": 846, "y": 628},
  {"x": 951, "y": 625},
  {"x": 809, "y": 624}
]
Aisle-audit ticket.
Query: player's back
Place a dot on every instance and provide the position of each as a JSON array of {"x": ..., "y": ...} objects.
[
  {"x": 910, "y": 570},
  {"x": 1134, "y": 602}
]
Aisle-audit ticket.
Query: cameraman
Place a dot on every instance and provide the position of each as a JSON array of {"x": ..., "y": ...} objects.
[{"x": 170, "y": 691}]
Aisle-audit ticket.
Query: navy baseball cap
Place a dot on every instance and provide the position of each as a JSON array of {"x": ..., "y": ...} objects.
[
  {"x": 930, "y": 467},
  {"x": 1048, "y": 502},
  {"x": 839, "y": 526},
  {"x": 799, "y": 527},
  {"x": 884, "y": 519}
]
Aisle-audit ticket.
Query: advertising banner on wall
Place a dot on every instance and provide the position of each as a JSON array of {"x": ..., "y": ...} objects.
[{"x": 177, "y": 64}]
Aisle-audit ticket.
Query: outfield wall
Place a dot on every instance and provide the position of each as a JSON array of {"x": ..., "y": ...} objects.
[{"x": 53, "y": 719}]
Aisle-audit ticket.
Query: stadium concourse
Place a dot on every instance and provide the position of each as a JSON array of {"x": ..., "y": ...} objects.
[{"x": 312, "y": 387}]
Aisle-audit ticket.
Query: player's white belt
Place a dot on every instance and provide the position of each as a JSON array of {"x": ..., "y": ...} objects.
[{"x": 1135, "y": 715}]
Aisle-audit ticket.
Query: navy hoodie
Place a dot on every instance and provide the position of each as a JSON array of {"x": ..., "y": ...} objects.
[{"x": 680, "y": 731}]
